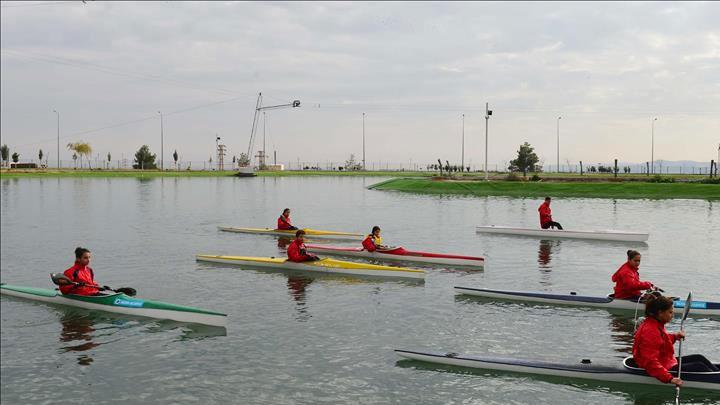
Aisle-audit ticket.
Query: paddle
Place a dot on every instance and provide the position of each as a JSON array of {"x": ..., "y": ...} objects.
[
  {"x": 686, "y": 310},
  {"x": 61, "y": 279}
]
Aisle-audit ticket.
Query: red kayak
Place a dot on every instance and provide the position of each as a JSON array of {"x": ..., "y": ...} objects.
[{"x": 401, "y": 254}]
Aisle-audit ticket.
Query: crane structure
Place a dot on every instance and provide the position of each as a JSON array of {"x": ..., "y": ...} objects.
[{"x": 248, "y": 170}]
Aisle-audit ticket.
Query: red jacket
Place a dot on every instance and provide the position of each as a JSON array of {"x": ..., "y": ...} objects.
[
  {"x": 369, "y": 243},
  {"x": 80, "y": 274},
  {"x": 296, "y": 252},
  {"x": 653, "y": 349},
  {"x": 545, "y": 213},
  {"x": 627, "y": 282},
  {"x": 284, "y": 223}
]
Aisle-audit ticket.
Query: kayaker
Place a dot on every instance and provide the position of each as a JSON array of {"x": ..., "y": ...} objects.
[
  {"x": 283, "y": 221},
  {"x": 627, "y": 279},
  {"x": 546, "y": 220},
  {"x": 81, "y": 273},
  {"x": 373, "y": 241},
  {"x": 297, "y": 252},
  {"x": 653, "y": 346}
]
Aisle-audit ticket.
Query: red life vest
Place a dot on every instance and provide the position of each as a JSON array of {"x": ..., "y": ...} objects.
[
  {"x": 627, "y": 282},
  {"x": 80, "y": 274},
  {"x": 284, "y": 223},
  {"x": 545, "y": 213},
  {"x": 653, "y": 349},
  {"x": 296, "y": 252},
  {"x": 369, "y": 243}
]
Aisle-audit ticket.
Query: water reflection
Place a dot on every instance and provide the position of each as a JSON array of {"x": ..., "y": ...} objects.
[
  {"x": 623, "y": 333},
  {"x": 545, "y": 252},
  {"x": 78, "y": 328},
  {"x": 297, "y": 288},
  {"x": 283, "y": 242}
]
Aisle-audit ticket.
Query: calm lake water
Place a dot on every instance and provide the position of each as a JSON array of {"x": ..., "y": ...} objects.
[{"x": 295, "y": 339}]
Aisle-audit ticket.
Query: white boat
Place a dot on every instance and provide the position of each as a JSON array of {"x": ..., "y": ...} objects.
[
  {"x": 400, "y": 254},
  {"x": 627, "y": 372},
  {"x": 624, "y": 236},
  {"x": 697, "y": 308},
  {"x": 309, "y": 233},
  {"x": 319, "y": 266}
]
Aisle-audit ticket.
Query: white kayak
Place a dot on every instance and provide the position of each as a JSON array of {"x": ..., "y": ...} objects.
[
  {"x": 320, "y": 266},
  {"x": 627, "y": 372},
  {"x": 400, "y": 254},
  {"x": 697, "y": 308},
  {"x": 309, "y": 233},
  {"x": 622, "y": 236}
]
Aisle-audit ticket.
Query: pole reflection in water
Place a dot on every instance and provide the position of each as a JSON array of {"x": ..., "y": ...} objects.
[
  {"x": 78, "y": 328},
  {"x": 297, "y": 286}
]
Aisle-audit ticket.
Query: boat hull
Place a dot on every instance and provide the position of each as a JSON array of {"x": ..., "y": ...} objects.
[
  {"x": 697, "y": 308},
  {"x": 120, "y": 304},
  {"x": 620, "y": 374},
  {"x": 309, "y": 233},
  {"x": 566, "y": 234},
  {"x": 320, "y": 266},
  {"x": 400, "y": 254}
]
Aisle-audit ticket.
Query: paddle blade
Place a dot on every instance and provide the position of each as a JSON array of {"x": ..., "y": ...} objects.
[
  {"x": 130, "y": 292},
  {"x": 688, "y": 303},
  {"x": 60, "y": 279}
]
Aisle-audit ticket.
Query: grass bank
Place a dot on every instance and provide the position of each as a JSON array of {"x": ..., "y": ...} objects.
[
  {"x": 30, "y": 173},
  {"x": 542, "y": 189}
]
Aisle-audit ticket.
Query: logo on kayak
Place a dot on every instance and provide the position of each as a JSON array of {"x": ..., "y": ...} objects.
[
  {"x": 125, "y": 303},
  {"x": 693, "y": 304}
]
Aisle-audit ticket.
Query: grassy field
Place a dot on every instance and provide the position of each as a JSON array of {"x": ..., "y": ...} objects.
[{"x": 561, "y": 189}]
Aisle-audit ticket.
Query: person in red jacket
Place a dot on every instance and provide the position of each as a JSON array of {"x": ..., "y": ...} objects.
[
  {"x": 653, "y": 346},
  {"x": 546, "y": 220},
  {"x": 296, "y": 251},
  {"x": 283, "y": 221},
  {"x": 373, "y": 241},
  {"x": 627, "y": 279},
  {"x": 81, "y": 273}
]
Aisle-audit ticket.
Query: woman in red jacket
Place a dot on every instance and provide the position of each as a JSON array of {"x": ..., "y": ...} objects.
[
  {"x": 653, "y": 347},
  {"x": 296, "y": 251},
  {"x": 283, "y": 221},
  {"x": 82, "y": 274},
  {"x": 546, "y": 220},
  {"x": 627, "y": 279}
]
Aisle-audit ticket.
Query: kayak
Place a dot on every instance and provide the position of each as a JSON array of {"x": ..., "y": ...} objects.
[
  {"x": 623, "y": 236},
  {"x": 310, "y": 233},
  {"x": 697, "y": 308},
  {"x": 627, "y": 372},
  {"x": 399, "y": 253},
  {"x": 322, "y": 266},
  {"x": 121, "y": 304}
]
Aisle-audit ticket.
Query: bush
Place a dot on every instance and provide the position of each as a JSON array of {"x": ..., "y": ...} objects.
[
  {"x": 716, "y": 180},
  {"x": 660, "y": 179},
  {"x": 535, "y": 177}
]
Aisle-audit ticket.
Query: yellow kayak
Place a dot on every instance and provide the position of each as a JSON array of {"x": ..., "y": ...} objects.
[
  {"x": 322, "y": 266},
  {"x": 310, "y": 233}
]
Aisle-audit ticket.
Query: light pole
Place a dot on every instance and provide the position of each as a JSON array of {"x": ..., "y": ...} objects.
[
  {"x": 558, "y": 143},
  {"x": 462, "y": 158},
  {"x": 58, "y": 137},
  {"x": 162, "y": 149},
  {"x": 217, "y": 152},
  {"x": 652, "y": 147},
  {"x": 264, "y": 154},
  {"x": 488, "y": 113},
  {"x": 364, "y": 142}
]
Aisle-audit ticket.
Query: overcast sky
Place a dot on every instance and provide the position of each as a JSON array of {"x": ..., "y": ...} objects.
[{"x": 414, "y": 68}]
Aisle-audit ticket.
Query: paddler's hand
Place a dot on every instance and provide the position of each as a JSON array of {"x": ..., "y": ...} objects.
[
  {"x": 680, "y": 335},
  {"x": 677, "y": 382}
]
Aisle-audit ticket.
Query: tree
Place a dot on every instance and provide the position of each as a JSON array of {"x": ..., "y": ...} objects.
[
  {"x": 15, "y": 157},
  {"x": 526, "y": 161},
  {"x": 175, "y": 158},
  {"x": 109, "y": 159},
  {"x": 144, "y": 159},
  {"x": 81, "y": 149},
  {"x": 40, "y": 156},
  {"x": 243, "y": 160},
  {"x": 351, "y": 164},
  {"x": 75, "y": 157},
  {"x": 5, "y": 154}
]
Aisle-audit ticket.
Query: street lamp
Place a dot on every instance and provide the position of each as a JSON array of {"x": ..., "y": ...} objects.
[
  {"x": 162, "y": 149},
  {"x": 652, "y": 147},
  {"x": 58, "y": 137},
  {"x": 462, "y": 159},
  {"x": 558, "y": 143},
  {"x": 488, "y": 113},
  {"x": 364, "y": 168}
]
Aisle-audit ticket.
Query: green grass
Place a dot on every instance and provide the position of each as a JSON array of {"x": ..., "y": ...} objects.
[{"x": 561, "y": 189}]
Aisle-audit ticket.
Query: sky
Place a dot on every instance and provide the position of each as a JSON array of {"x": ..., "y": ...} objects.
[{"x": 607, "y": 68}]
